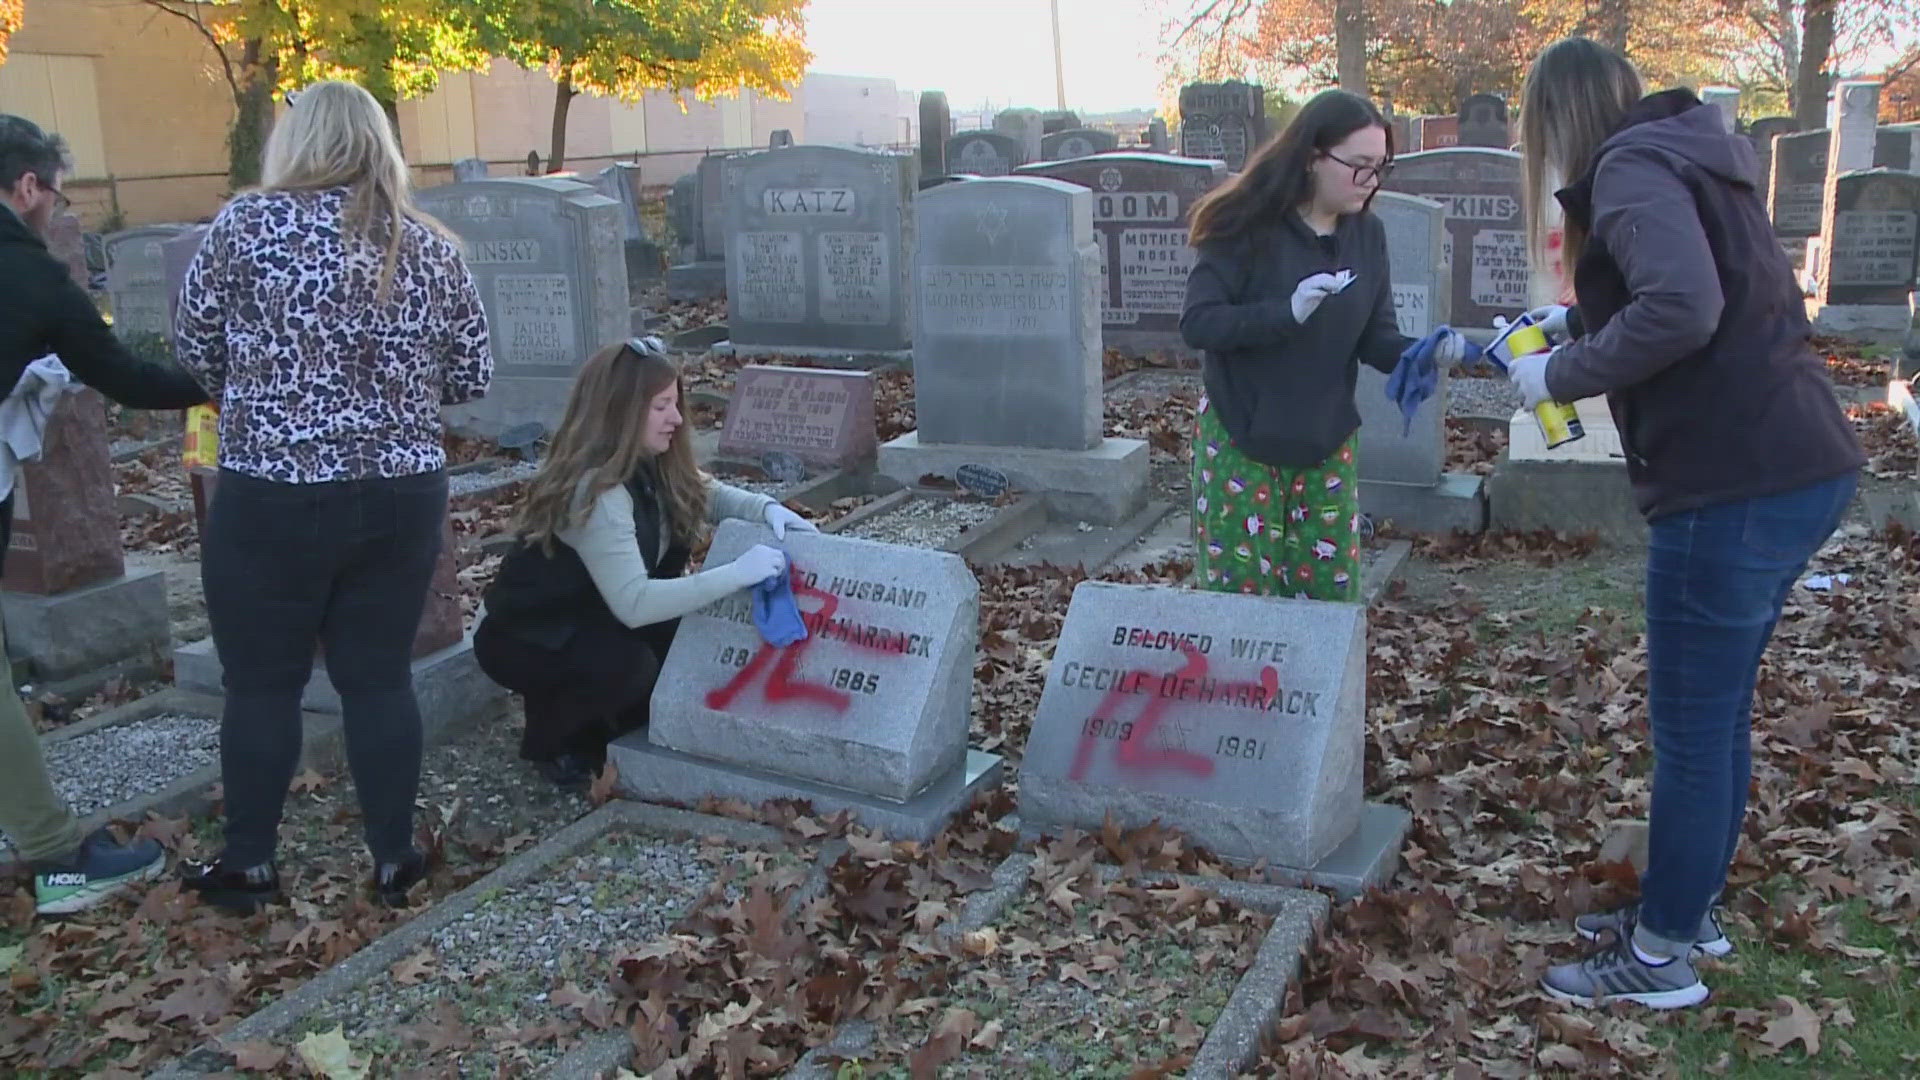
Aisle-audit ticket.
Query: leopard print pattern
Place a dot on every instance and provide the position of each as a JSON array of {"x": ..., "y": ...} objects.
[{"x": 315, "y": 380}]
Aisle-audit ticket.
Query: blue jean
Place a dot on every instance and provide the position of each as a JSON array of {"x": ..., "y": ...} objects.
[{"x": 1717, "y": 578}]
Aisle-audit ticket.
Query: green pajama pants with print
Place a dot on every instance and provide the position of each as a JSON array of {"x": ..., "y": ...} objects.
[{"x": 1273, "y": 531}]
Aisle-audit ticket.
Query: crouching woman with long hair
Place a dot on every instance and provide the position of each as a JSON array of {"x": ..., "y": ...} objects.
[{"x": 580, "y": 617}]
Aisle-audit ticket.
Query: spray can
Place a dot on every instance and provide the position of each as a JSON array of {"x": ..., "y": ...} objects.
[{"x": 1559, "y": 423}]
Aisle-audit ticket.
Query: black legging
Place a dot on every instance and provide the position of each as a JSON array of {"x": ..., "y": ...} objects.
[
  {"x": 344, "y": 564},
  {"x": 579, "y": 697}
]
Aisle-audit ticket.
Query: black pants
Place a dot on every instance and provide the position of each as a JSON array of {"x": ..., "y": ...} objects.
[
  {"x": 582, "y": 696},
  {"x": 346, "y": 564}
]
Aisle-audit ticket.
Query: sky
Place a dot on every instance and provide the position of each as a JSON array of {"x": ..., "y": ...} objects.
[{"x": 1001, "y": 50}]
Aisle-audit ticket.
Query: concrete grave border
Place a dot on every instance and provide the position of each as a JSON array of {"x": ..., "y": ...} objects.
[
  {"x": 375, "y": 958},
  {"x": 1233, "y": 1040},
  {"x": 982, "y": 543},
  {"x": 322, "y": 746}
]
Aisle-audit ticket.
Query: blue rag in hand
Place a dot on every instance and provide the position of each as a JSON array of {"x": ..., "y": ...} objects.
[
  {"x": 1416, "y": 376},
  {"x": 775, "y": 612}
]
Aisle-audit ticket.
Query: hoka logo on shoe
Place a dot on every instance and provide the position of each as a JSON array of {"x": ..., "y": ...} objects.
[{"x": 62, "y": 881}]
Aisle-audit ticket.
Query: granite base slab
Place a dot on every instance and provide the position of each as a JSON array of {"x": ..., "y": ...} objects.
[
  {"x": 652, "y": 773},
  {"x": 1107, "y": 484},
  {"x": 1458, "y": 503},
  {"x": 452, "y": 689},
  {"x": 1369, "y": 856},
  {"x": 859, "y": 359},
  {"x": 90, "y": 627}
]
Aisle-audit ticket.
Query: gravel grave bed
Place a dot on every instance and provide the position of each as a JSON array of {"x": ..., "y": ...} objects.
[
  {"x": 467, "y": 483},
  {"x": 1480, "y": 396},
  {"x": 114, "y": 764},
  {"x": 525, "y": 958},
  {"x": 775, "y": 488},
  {"x": 924, "y": 522},
  {"x": 1082, "y": 978},
  {"x": 1158, "y": 385}
]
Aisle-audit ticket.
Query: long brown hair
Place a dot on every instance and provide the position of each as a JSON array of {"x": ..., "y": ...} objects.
[
  {"x": 1278, "y": 178},
  {"x": 1577, "y": 95},
  {"x": 601, "y": 444}
]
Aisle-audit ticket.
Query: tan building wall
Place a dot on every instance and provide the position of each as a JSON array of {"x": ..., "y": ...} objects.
[{"x": 140, "y": 97}]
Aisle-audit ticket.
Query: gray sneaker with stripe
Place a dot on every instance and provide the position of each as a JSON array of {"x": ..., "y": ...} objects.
[
  {"x": 1613, "y": 973},
  {"x": 1709, "y": 940}
]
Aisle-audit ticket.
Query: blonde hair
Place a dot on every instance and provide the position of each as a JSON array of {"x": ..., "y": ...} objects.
[
  {"x": 601, "y": 445},
  {"x": 1576, "y": 95},
  {"x": 336, "y": 135}
]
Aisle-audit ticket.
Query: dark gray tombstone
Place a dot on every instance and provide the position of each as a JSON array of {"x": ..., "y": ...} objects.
[
  {"x": 1486, "y": 226},
  {"x": 819, "y": 250},
  {"x": 1799, "y": 179},
  {"x": 1058, "y": 120},
  {"x": 1873, "y": 255},
  {"x": 177, "y": 257},
  {"x": 1159, "y": 140},
  {"x": 546, "y": 253},
  {"x": 137, "y": 281},
  {"x": 984, "y": 153},
  {"x": 936, "y": 127},
  {"x": 1762, "y": 133},
  {"x": 695, "y": 205},
  {"x": 1483, "y": 122},
  {"x": 1223, "y": 121},
  {"x": 780, "y": 140},
  {"x": 1076, "y": 143},
  {"x": 1140, "y": 206},
  {"x": 467, "y": 169},
  {"x": 1896, "y": 148},
  {"x": 1023, "y": 126},
  {"x": 620, "y": 182}
]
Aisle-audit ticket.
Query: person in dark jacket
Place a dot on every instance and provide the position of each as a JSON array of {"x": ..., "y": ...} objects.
[
  {"x": 42, "y": 311},
  {"x": 580, "y": 616},
  {"x": 1289, "y": 294},
  {"x": 1689, "y": 319}
]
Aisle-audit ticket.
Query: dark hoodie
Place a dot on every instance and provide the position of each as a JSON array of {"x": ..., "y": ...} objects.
[{"x": 1695, "y": 326}]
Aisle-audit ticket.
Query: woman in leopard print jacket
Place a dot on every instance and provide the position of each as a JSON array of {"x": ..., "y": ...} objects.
[{"x": 330, "y": 321}]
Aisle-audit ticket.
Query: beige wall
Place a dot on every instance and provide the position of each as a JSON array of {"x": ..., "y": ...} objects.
[{"x": 141, "y": 98}]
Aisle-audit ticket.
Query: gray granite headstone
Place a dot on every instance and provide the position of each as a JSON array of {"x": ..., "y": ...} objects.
[
  {"x": 876, "y": 699},
  {"x": 1026, "y": 127},
  {"x": 1054, "y": 121},
  {"x": 137, "y": 281},
  {"x": 620, "y": 182},
  {"x": 1237, "y": 720},
  {"x": 984, "y": 153},
  {"x": 1486, "y": 226},
  {"x": 1416, "y": 243},
  {"x": 1799, "y": 178},
  {"x": 1875, "y": 248},
  {"x": 1076, "y": 143},
  {"x": 1159, "y": 140},
  {"x": 1483, "y": 122},
  {"x": 936, "y": 127},
  {"x": 1897, "y": 147},
  {"x": 1140, "y": 206},
  {"x": 683, "y": 215},
  {"x": 177, "y": 256},
  {"x": 711, "y": 218},
  {"x": 1222, "y": 121},
  {"x": 819, "y": 242},
  {"x": 548, "y": 257},
  {"x": 780, "y": 140},
  {"x": 1852, "y": 117},
  {"x": 1762, "y": 132},
  {"x": 466, "y": 169},
  {"x": 1007, "y": 317}
]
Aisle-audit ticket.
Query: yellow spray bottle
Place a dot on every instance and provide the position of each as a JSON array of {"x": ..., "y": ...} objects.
[{"x": 1559, "y": 423}]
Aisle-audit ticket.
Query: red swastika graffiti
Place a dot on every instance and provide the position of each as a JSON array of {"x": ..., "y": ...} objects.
[
  {"x": 1134, "y": 754},
  {"x": 781, "y": 686}
]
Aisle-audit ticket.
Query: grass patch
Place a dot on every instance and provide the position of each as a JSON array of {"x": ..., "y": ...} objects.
[{"x": 1880, "y": 996}]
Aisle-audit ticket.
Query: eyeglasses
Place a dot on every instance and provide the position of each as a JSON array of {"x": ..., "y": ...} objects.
[
  {"x": 60, "y": 200},
  {"x": 1365, "y": 174}
]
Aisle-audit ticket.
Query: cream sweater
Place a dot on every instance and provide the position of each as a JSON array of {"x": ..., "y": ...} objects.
[{"x": 605, "y": 542}]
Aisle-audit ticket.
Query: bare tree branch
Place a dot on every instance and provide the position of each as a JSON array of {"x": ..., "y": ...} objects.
[{"x": 190, "y": 12}]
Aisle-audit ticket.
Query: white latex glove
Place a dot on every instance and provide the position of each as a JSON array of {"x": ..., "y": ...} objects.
[
  {"x": 1315, "y": 288},
  {"x": 780, "y": 519},
  {"x": 1551, "y": 319},
  {"x": 760, "y": 562},
  {"x": 1451, "y": 349},
  {"x": 1528, "y": 374}
]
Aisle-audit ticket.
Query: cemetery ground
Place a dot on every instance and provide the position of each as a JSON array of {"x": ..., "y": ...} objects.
[{"x": 1506, "y": 683}]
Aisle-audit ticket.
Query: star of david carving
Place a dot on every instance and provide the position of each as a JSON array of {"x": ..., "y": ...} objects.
[{"x": 993, "y": 223}]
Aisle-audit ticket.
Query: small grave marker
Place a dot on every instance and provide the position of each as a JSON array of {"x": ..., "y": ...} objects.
[
  {"x": 982, "y": 480},
  {"x": 820, "y": 416}
]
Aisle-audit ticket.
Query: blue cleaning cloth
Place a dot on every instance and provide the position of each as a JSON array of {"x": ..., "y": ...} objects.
[
  {"x": 1417, "y": 376},
  {"x": 775, "y": 612}
]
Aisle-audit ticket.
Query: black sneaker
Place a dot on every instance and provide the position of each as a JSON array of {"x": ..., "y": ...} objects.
[
  {"x": 100, "y": 868},
  {"x": 571, "y": 772},
  {"x": 392, "y": 881},
  {"x": 241, "y": 890}
]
